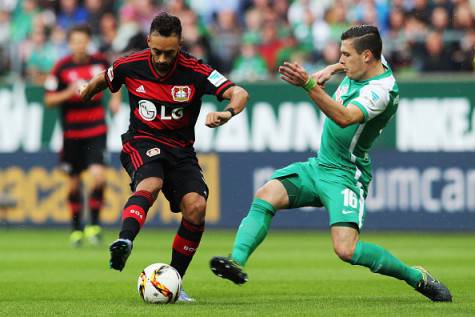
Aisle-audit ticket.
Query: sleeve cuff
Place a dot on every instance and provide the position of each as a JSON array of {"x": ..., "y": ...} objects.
[
  {"x": 109, "y": 84},
  {"x": 362, "y": 108},
  {"x": 219, "y": 93}
]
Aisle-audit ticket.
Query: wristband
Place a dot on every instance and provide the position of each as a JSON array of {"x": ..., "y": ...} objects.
[
  {"x": 231, "y": 110},
  {"x": 310, "y": 84}
]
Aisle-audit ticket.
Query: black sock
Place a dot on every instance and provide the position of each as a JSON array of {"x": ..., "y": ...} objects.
[
  {"x": 185, "y": 244},
  {"x": 95, "y": 204},
  {"x": 75, "y": 203},
  {"x": 134, "y": 214}
]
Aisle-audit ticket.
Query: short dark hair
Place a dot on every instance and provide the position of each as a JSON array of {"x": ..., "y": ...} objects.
[
  {"x": 166, "y": 25},
  {"x": 366, "y": 37},
  {"x": 80, "y": 28}
]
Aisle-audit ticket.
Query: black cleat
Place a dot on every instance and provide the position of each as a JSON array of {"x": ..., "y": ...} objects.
[
  {"x": 228, "y": 269},
  {"x": 432, "y": 288},
  {"x": 120, "y": 250}
]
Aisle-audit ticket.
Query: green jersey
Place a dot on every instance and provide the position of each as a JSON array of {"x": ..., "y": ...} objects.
[{"x": 345, "y": 150}]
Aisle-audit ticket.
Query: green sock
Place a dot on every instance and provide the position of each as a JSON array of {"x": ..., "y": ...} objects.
[
  {"x": 378, "y": 260},
  {"x": 252, "y": 230}
]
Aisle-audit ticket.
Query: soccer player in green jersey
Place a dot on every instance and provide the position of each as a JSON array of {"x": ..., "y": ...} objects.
[{"x": 338, "y": 178}]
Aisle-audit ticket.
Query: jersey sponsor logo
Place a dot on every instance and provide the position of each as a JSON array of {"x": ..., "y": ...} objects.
[
  {"x": 73, "y": 76},
  {"x": 147, "y": 110},
  {"x": 346, "y": 212},
  {"x": 181, "y": 93},
  {"x": 174, "y": 114},
  {"x": 96, "y": 69},
  {"x": 216, "y": 78},
  {"x": 110, "y": 73},
  {"x": 140, "y": 89},
  {"x": 153, "y": 152}
]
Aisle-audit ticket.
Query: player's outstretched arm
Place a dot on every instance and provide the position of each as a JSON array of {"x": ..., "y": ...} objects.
[
  {"x": 95, "y": 85},
  {"x": 296, "y": 75},
  {"x": 53, "y": 99},
  {"x": 322, "y": 76},
  {"x": 238, "y": 98}
]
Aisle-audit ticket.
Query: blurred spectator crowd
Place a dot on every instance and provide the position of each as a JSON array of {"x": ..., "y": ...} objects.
[{"x": 246, "y": 39}]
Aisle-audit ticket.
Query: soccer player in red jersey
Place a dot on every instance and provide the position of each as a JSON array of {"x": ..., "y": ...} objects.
[
  {"x": 165, "y": 87},
  {"x": 84, "y": 128}
]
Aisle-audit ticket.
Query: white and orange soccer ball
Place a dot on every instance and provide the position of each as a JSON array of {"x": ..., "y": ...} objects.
[{"x": 159, "y": 283}]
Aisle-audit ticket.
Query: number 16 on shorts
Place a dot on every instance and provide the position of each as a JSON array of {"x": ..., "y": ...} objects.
[{"x": 350, "y": 200}]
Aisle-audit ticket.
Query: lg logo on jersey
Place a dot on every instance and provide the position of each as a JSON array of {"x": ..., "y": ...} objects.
[{"x": 148, "y": 111}]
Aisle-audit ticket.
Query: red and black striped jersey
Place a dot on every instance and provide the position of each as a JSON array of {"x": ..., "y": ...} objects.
[
  {"x": 79, "y": 119},
  {"x": 165, "y": 109}
]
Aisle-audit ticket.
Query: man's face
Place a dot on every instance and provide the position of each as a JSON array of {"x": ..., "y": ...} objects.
[
  {"x": 78, "y": 43},
  {"x": 353, "y": 63},
  {"x": 164, "y": 50}
]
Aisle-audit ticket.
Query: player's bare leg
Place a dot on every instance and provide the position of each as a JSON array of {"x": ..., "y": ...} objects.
[
  {"x": 252, "y": 231},
  {"x": 134, "y": 214},
  {"x": 188, "y": 237},
  {"x": 350, "y": 249}
]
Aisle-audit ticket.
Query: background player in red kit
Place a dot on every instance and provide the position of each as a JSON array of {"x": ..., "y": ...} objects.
[
  {"x": 165, "y": 87},
  {"x": 84, "y": 127}
]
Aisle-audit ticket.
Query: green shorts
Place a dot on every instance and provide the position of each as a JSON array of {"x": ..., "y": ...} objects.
[{"x": 309, "y": 184}]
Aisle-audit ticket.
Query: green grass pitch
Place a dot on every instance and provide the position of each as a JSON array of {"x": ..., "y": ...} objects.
[{"x": 291, "y": 274}]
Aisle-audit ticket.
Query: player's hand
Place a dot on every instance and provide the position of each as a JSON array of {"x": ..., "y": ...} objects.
[
  {"x": 217, "y": 118},
  {"x": 293, "y": 73},
  {"x": 81, "y": 90},
  {"x": 322, "y": 76}
]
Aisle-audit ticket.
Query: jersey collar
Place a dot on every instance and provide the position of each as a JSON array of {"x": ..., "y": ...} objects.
[{"x": 386, "y": 73}]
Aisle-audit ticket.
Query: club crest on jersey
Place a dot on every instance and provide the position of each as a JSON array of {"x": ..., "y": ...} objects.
[
  {"x": 153, "y": 152},
  {"x": 340, "y": 92},
  {"x": 147, "y": 110},
  {"x": 181, "y": 93}
]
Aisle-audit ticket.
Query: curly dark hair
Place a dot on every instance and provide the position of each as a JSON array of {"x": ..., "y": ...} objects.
[
  {"x": 366, "y": 37},
  {"x": 166, "y": 25}
]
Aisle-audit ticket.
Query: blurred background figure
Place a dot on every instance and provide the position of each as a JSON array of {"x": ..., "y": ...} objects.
[
  {"x": 71, "y": 13},
  {"x": 249, "y": 66},
  {"x": 84, "y": 130},
  {"x": 437, "y": 56},
  {"x": 225, "y": 37}
]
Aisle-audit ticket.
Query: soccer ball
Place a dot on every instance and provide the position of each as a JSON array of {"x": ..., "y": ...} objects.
[{"x": 159, "y": 283}]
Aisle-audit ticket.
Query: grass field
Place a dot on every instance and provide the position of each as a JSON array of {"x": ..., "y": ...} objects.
[{"x": 292, "y": 274}]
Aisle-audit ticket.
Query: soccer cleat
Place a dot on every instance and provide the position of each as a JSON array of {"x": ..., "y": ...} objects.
[
  {"x": 76, "y": 238},
  {"x": 432, "y": 288},
  {"x": 93, "y": 234},
  {"x": 120, "y": 250},
  {"x": 185, "y": 298},
  {"x": 228, "y": 269}
]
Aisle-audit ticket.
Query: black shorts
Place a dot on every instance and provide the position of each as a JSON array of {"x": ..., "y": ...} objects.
[
  {"x": 177, "y": 167},
  {"x": 78, "y": 154}
]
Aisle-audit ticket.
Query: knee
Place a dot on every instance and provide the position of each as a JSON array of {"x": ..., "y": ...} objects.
[
  {"x": 152, "y": 185},
  {"x": 195, "y": 211},
  {"x": 263, "y": 192},
  {"x": 344, "y": 251},
  {"x": 274, "y": 193}
]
